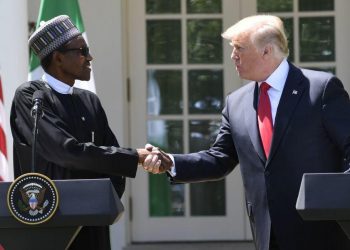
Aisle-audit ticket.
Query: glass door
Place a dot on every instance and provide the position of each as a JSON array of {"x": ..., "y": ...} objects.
[{"x": 180, "y": 72}]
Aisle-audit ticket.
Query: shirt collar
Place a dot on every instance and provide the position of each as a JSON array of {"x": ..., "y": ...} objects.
[
  {"x": 278, "y": 78},
  {"x": 57, "y": 85}
]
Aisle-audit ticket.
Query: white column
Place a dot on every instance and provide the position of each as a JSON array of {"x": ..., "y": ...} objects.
[
  {"x": 342, "y": 41},
  {"x": 106, "y": 35},
  {"x": 13, "y": 56}
]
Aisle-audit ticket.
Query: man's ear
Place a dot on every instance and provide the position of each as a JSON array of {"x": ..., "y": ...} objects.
[
  {"x": 267, "y": 50},
  {"x": 57, "y": 58}
]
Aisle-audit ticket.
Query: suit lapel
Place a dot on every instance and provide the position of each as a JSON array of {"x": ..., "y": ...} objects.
[
  {"x": 291, "y": 95},
  {"x": 251, "y": 121}
]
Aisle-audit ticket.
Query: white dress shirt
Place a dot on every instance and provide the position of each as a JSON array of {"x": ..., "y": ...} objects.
[
  {"x": 277, "y": 81},
  {"x": 57, "y": 85}
]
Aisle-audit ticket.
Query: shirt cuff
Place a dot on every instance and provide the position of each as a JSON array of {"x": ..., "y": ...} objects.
[{"x": 172, "y": 170}]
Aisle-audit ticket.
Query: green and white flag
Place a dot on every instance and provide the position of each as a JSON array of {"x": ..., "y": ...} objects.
[{"x": 48, "y": 10}]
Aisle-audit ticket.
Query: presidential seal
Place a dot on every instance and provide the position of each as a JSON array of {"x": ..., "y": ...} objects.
[{"x": 32, "y": 198}]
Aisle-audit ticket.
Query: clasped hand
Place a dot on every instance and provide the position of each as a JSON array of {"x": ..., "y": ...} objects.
[{"x": 154, "y": 160}]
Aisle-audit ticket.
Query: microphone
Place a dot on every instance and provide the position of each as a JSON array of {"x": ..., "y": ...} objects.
[
  {"x": 37, "y": 113},
  {"x": 37, "y": 109}
]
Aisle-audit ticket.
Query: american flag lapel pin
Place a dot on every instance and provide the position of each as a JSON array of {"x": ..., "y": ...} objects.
[{"x": 295, "y": 92}]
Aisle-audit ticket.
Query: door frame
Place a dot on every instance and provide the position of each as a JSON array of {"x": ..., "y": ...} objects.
[{"x": 234, "y": 226}]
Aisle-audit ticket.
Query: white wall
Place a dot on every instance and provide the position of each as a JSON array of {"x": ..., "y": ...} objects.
[
  {"x": 13, "y": 56},
  {"x": 342, "y": 45},
  {"x": 103, "y": 25},
  {"x": 103, "y": 22}
]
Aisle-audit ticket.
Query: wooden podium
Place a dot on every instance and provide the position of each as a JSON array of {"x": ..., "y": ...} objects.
[{"x": 91, "y": 202}]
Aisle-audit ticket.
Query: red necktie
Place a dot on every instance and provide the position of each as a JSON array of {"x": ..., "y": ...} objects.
[{"x": 265, "y": 118}]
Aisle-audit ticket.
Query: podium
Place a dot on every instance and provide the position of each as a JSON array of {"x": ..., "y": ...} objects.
[
  {"x": 91, "y": 202},
  {"x": 325, "y": 196}
]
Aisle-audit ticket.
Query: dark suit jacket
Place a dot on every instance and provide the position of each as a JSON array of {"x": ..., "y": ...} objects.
[{"x": 311, "y": 135}]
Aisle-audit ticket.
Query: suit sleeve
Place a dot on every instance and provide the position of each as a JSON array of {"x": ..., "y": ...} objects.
[
  {"x": 56, "y": 143},
  {"x": 212, "y": 164},
  {"x": 336, "y": 115}
]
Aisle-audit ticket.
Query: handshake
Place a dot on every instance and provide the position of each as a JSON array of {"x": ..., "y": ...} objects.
[{"x": 154, "y": 160}]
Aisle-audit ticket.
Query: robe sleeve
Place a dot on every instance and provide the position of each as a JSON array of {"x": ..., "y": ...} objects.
[{"x": 57, "y": 144}]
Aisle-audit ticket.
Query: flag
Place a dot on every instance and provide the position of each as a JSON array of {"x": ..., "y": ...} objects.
[
  {"x": 4, "y": 170},
  {"x": 49, "y": 9}
]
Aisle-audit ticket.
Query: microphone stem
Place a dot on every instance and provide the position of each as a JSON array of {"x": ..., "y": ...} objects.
[{"x": 35, "y": 133}]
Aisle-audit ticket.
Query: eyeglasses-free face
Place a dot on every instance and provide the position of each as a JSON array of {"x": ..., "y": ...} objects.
[{"x": 84, "y": 51}]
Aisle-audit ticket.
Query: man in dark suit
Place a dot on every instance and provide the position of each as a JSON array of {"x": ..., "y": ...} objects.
[{"x": 286, "y": 122}]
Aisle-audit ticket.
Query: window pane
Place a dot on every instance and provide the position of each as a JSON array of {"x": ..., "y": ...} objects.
[
  {"x": 161, "y": 6},
  {"x": 203, "y": 6},
  {"x": 165, "y": 199},
  {"x": 163, "y": 41},
  {"x": 275, "y": 5},
  {"x": 166, "y": 134},
  {"x": 316, "y": 5},
  {"x": 331, "y": 70},
  {"x": 204, "y": 41},
  {"x": 317, "y": 39},
  {"x": 288, "y": 25},
  {"x": 207, "y": 198},
  {"x": 164, "y": 92},
  {"x": 203, "y": 134},
  {"x": 205, "y": 91}
]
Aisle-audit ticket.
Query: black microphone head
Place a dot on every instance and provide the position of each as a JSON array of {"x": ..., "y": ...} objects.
[
  {"x": 38, "y": 95},
  {"x": 37, "y": 109}
]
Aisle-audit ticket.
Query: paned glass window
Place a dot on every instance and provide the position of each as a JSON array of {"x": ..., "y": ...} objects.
[
  {"x": 310, "y": 29},
  {"x": 185, "y": 92}
]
